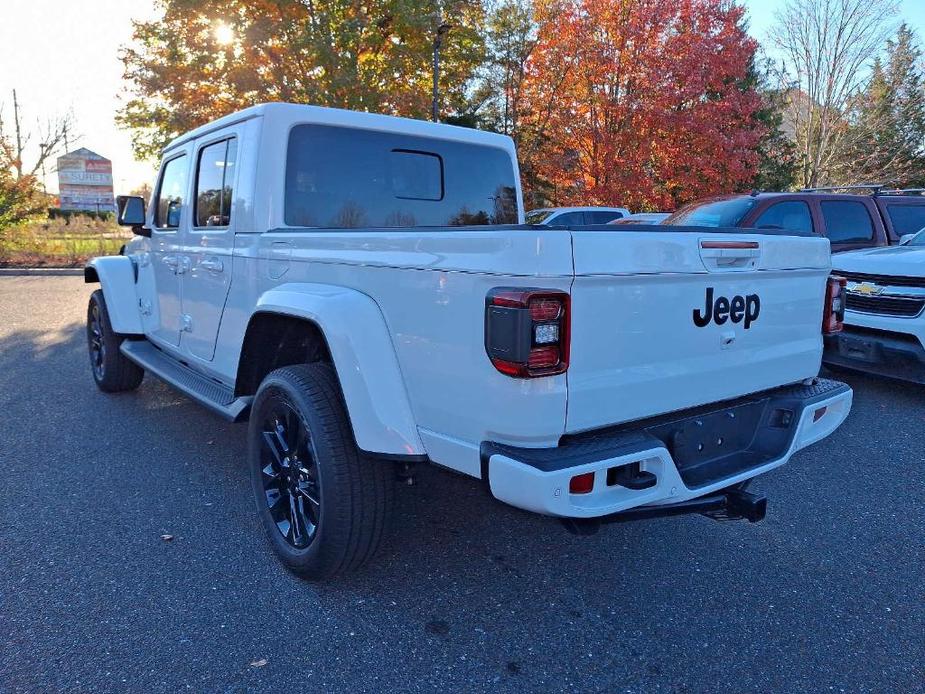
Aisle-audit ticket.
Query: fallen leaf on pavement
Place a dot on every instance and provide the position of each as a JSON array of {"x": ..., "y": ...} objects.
[
  {"x": 166, "y": 538},
  {"x": 259, "y": 663}
]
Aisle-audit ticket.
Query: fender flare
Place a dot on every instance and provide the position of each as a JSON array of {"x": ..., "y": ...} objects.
[
  {"x": 116, "y": 275},
  {"x": 364, "y": 359}
]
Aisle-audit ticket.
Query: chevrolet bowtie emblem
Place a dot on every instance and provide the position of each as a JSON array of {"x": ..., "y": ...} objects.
[{"x": 865, "y": 288}]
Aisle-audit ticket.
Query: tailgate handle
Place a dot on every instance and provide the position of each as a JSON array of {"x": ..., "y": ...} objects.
[{"x": 719, "y": 255}]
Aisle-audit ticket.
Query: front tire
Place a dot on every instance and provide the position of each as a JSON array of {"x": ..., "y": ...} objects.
[
  {"x": 323, "y": 505},
  {"x": 112, "y": 372}
]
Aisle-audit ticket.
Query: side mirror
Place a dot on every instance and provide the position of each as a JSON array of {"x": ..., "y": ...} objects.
[
  {"x": 132, "y": 213},
  {"x": 906, "y": 238}
]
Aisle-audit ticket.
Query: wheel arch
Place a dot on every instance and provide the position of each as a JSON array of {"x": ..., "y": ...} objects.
[
  {"x": 116, "y": 276},
  {"x": 299, "y": 322}
]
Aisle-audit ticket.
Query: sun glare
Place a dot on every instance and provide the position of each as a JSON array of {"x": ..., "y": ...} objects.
[{"x": 224, "y": 34}]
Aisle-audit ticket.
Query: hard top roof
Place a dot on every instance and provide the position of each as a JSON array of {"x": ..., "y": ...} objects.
[{"x": 304, "y": 113}]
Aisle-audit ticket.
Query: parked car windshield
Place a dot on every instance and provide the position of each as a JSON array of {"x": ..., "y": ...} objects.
[{"x": 712, "y": 213}]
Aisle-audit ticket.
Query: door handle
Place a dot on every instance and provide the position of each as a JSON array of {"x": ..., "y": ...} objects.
[
  {"x": 212, "y": 265},
  {"x": 171, "y": 261}
]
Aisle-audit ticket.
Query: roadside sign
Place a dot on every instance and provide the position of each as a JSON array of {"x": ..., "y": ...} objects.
[{"x": 85, "y": 182}]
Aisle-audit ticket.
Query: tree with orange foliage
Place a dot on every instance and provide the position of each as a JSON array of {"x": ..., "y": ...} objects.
[
  {"x": 642, "y": 103},
  {"x": 202, "y": 59}
]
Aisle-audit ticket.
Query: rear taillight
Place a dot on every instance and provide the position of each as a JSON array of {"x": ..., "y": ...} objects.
[
  {"x": 527, "y": 331},
  {"x": 834, "y": 311}
]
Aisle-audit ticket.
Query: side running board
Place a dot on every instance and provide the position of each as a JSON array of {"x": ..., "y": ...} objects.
[{"x": 215, "y": 396}]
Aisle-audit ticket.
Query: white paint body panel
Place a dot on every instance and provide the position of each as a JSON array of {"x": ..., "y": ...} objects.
[
  {"x": 403, "y": 310},
  {"x": 117, "y": 279},
  {"x": 635, "y": 349},
  {"x": 365, "y": 361}
]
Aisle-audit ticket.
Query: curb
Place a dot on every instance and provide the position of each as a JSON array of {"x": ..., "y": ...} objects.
[{"x": 41, "y": 271}]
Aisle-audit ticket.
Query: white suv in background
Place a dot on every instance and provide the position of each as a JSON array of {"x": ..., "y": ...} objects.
[
  {"x": 575, "y": 216},
  {"x": 884, "y": 329}
]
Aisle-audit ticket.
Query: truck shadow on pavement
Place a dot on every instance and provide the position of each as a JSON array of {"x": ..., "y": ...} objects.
[{"x": 154, "y": 517}]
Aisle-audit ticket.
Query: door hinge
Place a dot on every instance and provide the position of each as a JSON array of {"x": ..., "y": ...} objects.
[
  {"x": 186, "y": 323},
  {"x": 144, "y": 307}
]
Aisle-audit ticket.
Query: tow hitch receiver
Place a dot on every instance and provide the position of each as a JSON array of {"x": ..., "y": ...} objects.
[
  {"x": 741, "y": 505},
  {"x": 726, "y": 505}
]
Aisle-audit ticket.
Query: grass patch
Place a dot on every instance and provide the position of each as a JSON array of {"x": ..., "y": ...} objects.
[{"x": 60, "y": 242}]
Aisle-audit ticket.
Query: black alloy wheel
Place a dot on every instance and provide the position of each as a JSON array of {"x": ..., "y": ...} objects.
[
  {"x": 290, "y": 474},
  {"x": 112, "y": 370},
  {"x": 96, "y": 343},
  {"x": 323, "y": 504}
]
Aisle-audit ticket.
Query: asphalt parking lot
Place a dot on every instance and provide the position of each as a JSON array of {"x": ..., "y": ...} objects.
[{"x": 825, "y": 595}]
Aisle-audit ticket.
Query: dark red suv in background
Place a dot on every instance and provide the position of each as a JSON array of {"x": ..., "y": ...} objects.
[{"x": 848, "y": 220}]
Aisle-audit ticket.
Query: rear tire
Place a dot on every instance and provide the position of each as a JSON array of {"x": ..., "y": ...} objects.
[
  {"x": 323, "y": 504},
  {"x": 112, "y": 372}
]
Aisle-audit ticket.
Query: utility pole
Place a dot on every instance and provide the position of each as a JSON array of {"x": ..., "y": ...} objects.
[
  {"x": 18, "y": 162},
  {"x": 442, "y": 29}
]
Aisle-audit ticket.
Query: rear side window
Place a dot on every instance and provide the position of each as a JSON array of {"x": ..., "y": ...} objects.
[
  {"x": 906, "y": 219},
  {"x": 214, "y": 178},
  {"x": 792, "y": 216},
  {"x": 847, "y": 221},
  {"x": 716, "y": 213},
  {"x": 602, "y": 217},
  {"x": 171, "y": 194},
  {"x": 349, "y": 178}
]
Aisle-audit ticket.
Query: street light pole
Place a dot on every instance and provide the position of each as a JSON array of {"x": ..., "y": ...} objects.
[{"x": 438, "y": 42}]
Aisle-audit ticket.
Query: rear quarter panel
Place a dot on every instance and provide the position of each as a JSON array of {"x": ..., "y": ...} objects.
[{"x": 431, "y": 288}]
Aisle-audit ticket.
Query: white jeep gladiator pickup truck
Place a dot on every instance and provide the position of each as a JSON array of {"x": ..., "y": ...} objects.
[
  {"x": 884, "y": 329},
  {"x": 363, "y": 291}
]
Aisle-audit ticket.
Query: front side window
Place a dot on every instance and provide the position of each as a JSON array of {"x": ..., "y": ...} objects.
[
  {"x": 171, "y": 194},
  {"x": 712, "y": 213},
  {"x": 214, "y": 179},
  {"x": 906, "y": 219},
  {"x": 349, "y": 178},
  {"x": 847, "y": 221},
  {"x": 792, "y": 215}
]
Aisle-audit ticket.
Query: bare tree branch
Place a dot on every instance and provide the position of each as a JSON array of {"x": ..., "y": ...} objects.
[{"x": 826, "y": 45}]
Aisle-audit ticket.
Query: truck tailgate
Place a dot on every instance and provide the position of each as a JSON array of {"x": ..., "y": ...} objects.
[{"x": 663, "y": 321}]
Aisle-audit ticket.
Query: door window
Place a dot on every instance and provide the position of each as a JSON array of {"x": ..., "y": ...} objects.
[
  {"x": 792, "y": 215},
  {"x": 214, "y": 179},
  {"x": 847, "y": 221},
  {"x": 171, "y": 194}
]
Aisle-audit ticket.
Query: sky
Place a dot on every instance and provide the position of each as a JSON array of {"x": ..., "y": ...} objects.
[{"x": 62, "y": 55}]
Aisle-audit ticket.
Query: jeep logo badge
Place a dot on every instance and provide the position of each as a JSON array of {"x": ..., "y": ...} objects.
[{"x": 736, "y": 309}]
